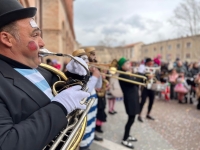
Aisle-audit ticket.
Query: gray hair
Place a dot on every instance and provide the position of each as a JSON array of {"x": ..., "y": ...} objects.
[{"x": 12, "y": 29}]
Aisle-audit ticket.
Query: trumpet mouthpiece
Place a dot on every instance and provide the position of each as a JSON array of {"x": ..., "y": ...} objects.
[{"x": 44, "y": 52}]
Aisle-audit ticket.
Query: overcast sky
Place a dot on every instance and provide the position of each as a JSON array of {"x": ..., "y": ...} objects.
[{"x": 123, "y": 21}]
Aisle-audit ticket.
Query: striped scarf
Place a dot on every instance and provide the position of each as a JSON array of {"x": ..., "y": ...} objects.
[{"x": 37, "y": 79}]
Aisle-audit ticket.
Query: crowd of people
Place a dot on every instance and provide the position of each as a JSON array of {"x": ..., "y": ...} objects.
[{"x": 183, "y": 79}]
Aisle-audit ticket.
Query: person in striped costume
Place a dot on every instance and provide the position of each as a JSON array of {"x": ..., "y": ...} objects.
[{"x": 95, "y": 81}]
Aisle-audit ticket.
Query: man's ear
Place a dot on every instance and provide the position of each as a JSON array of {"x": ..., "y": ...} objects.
[{"x": 6, "y": 38}]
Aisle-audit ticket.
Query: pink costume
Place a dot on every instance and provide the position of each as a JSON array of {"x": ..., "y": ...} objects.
[
  {"x": 157, "y": 60},
  {"x": 181, "y": 86}
]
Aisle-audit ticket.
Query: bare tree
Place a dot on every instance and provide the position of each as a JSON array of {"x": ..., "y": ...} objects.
[
  {"x": 108, "y": 41},
  {"x": 187, "y": 17}
]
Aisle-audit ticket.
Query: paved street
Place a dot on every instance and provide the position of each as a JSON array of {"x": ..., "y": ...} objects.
[{"x": 177, "y": 127}]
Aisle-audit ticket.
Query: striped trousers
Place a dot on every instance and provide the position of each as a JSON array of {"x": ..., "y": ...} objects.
[{"x": 91, "y": 124}]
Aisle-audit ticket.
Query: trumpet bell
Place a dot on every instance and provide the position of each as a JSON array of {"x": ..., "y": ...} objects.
[
  {"x": 113, "y": 70},
  {"x": 62, "y": 85}
]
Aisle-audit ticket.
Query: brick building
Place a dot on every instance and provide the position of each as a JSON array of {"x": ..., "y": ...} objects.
[
  {"x": 107, "y": 54},
  {"x": 185, "y": 48}
]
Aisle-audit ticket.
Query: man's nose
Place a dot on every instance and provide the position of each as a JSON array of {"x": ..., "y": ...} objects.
[{"x": 41, "y": 43}]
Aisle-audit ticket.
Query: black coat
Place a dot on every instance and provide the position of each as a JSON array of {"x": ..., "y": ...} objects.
[
  {"x": 28, "y": 120},
  {"x": 194, "y": 71},
  {"x": 101, "y": 115},
  {"x": 131, "y": 95}
]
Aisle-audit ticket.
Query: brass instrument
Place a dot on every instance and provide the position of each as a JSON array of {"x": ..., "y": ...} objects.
[
  {"x": 102, "y": 91},
  {"x": 70, "y": 137},
  {"x": 114, "y": 74},
  {"x": 149, "y": 83},
  {"x": 153, "y": 83}
]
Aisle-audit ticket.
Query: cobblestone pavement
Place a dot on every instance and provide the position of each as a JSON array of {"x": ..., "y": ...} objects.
[
  {"x": 179, "y": 124},
  {"x": 177, "y": 127}
]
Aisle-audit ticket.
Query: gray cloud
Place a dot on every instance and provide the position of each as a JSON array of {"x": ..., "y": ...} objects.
[
  {"x": 136, "y": 21},
  {"x": 90, "y": 30},
  {"x": 114, "y": 30},
  {"x": 126, "y": 20}
]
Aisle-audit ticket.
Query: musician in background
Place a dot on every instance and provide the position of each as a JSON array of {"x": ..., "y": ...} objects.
[
  {"x": 131, "y": 100},
  {"x": 101, "y": 106},
  {"x": 147, "y": 93},
  {"x": 95, "y": 81},
  {"x": 30, "y": 116}
]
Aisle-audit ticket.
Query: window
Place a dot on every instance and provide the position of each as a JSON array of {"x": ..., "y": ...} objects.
[
  {"x": 187, "y": 55},
  {"x": 168, "y": 57},
  {"x": 178, "y": 46},
  {"x": 188, "y": 45},
  {"x": 132, "y": 52},
  {"x": 169, "y": 47},
  {"x": 177, "y": 55},
  {"x": 146, "y": 50},
  {"x": 154, "y": 49},
  {"x": 161, "y": 48}
]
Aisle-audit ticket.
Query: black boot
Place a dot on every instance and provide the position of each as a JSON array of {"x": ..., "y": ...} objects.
[
  {"x": 198, "y": 105},
  {"x": 191, "y": 102},
  {"x": 149, "y": 117},
  {"x": 98, "y": 138},
  {"x": 85, "y": 148},
  {"x": 140, "y": 119},
  {"x": 180, "y": 102},
  {"x": 98, "y": 129}
]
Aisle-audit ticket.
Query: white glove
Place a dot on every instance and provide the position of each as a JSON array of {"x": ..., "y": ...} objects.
[
  {"x": 76, "y": 68},
  {"x": 141, "y": 69},
  {"x": 99, "y": 83},
  {"x": 149, "y": 85},
  {"x": 71, "y": 97},
  {"x": 91, "y": 83}
]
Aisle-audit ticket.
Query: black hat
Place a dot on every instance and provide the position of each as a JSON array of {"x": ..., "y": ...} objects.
[{"x": 12, "y": 10}]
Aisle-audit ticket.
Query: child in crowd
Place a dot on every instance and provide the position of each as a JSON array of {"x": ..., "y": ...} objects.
[
  {"x": 172, "y": 80},
  {"x": 181, "y": 87}
]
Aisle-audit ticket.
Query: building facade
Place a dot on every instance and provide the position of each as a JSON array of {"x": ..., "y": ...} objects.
[
  {"x": 107, "y": 54},
  {"x": 55, "y": 19},
  {"x": 185, "y": 48},
  {"x": 133, "y": 51}
]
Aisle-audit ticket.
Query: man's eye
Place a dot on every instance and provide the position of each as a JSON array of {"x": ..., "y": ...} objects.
[{"x": 36, "y": 34}]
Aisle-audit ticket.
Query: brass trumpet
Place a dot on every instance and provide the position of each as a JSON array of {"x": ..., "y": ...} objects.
[{"x": 114, "y": 73}]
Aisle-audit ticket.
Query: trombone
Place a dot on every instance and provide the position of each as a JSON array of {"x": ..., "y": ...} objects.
[{"x": 113, "y": 73}]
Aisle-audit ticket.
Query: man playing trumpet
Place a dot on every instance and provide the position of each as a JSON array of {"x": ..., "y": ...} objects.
[
  {"x": 147, "y": 92},
  {"x": 131, "y": 100},
  {"x": 95, "y": 81},
  {"x": 30, "y": 116}
]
